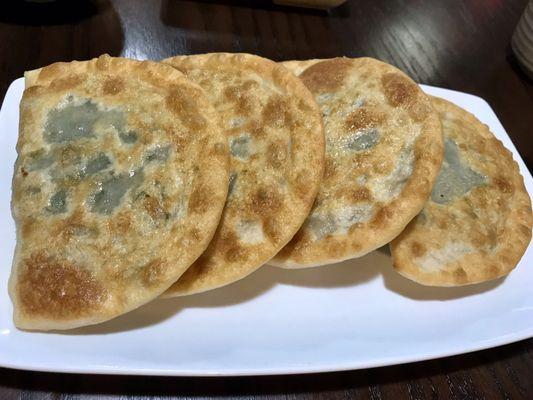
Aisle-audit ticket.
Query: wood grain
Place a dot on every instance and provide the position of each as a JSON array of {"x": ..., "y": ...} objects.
[
  {"x": 502, "y": 373},
  {"x": 458, "y": 44}
]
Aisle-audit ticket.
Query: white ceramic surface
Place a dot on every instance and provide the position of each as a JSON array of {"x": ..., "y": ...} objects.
[{"x": 355, "y": 314}]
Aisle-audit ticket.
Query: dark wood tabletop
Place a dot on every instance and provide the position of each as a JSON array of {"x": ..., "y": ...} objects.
[{"x": 456, "y": 44}]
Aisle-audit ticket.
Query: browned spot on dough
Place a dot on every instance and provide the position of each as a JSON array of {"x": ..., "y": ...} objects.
[
  {"x": 200, "y": 266},
  {"x": 301, "y": 184},
  {"x": 481, "y": 202},
  {"x": 442, "y": 224},
  {"x": 272, "y": 229},
  {"x": 179, "y": 142},
  {"x": 29, "y": 225},
  {"x": 219, "y": 149},
  {"x": 228, "y": 245},
  {"x": 121, "y": 223},
  {"x": 419, "y": 111},
  {"x": 231, "y": 93},
  {"x": 113, "y": 86},
  {"x": 182, "y": 102},
  {"x": 493, "y": 270},
  {"x": 242, "y": 96},
  {"x": 525, "y": 230},
  {"x": 203, "y": 142},
  {"x": 330, "y": 168},
  {"x": 199, "y": 200},
  {"x": 30, "y": 92},
  {"x": 194, "y": 234},
  {"x": 418, "y": 249},
  {"x": 304, "y": 107},
  {"x": 250, "y": 85},
  {"x": 23, "y": 172},
  {"x": 460, "y": 275},
  {"x": 399, "y": 90},
  {"x": 246, "y": 104},
  {"x": 103, "y": 62},
  {"x": 236, "y": 253},
  {"x": 66, "y": 83},
  {"x": 276, "y": 155},
  {"x": 256, "y": 129},
  {"x": 298, "y": 241},
  {"x": 503, "y": 185},
  {"x": 277, "y": 112},
  {"x": 74, "y": 225},
  {"x": 361, "y": 194},
  {"x": 364, "y": 117},
  {"x": 51, "y": 71},
  {"x": 154, "y": 272},
  {"x": 354, "y": 195},
  {"x": 492, "y": 237},
  {"x": 294, "y": 121},
  {"x": 225, "y": 240},
  {"x": 56, "y": 289},
  {"x": 334, "y": 249},
  {"x": 154, "y": 208},
  {"x": 382, "y": 217},
  {"x": 383, "y": 167},
  {"x": 68, "y": 155},
  {"x": 355, "y": 246},
  {"x": 326, "y": 76},
  {"x": 266, "y": 201}
]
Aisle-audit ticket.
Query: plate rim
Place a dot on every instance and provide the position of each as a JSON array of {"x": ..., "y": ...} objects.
[{"x": 305, "y": 368}]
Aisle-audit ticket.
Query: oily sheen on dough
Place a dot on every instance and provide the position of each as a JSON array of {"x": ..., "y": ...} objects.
[
  {"x": 383, "y": 151},
  {"x": 119, "y": 184},
  {"x": 477, "y": 223},
  {"x": 276, "y": 140}
]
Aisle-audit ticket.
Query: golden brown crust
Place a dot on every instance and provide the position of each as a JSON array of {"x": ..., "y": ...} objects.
[
  {"x": 383, "y": 151},
  {"x": 58, "y": 289},
  {"x": 480, "y": 234},
  {"x": 277, "y": 140},
  {"x": 111, "y": 152}
]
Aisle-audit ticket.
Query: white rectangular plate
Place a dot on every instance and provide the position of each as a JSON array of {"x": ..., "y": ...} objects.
[{"x": 355, "y": 314}]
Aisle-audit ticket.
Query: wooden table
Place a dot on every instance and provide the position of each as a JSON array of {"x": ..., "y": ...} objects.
[{"x": 458, "y": 44}]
